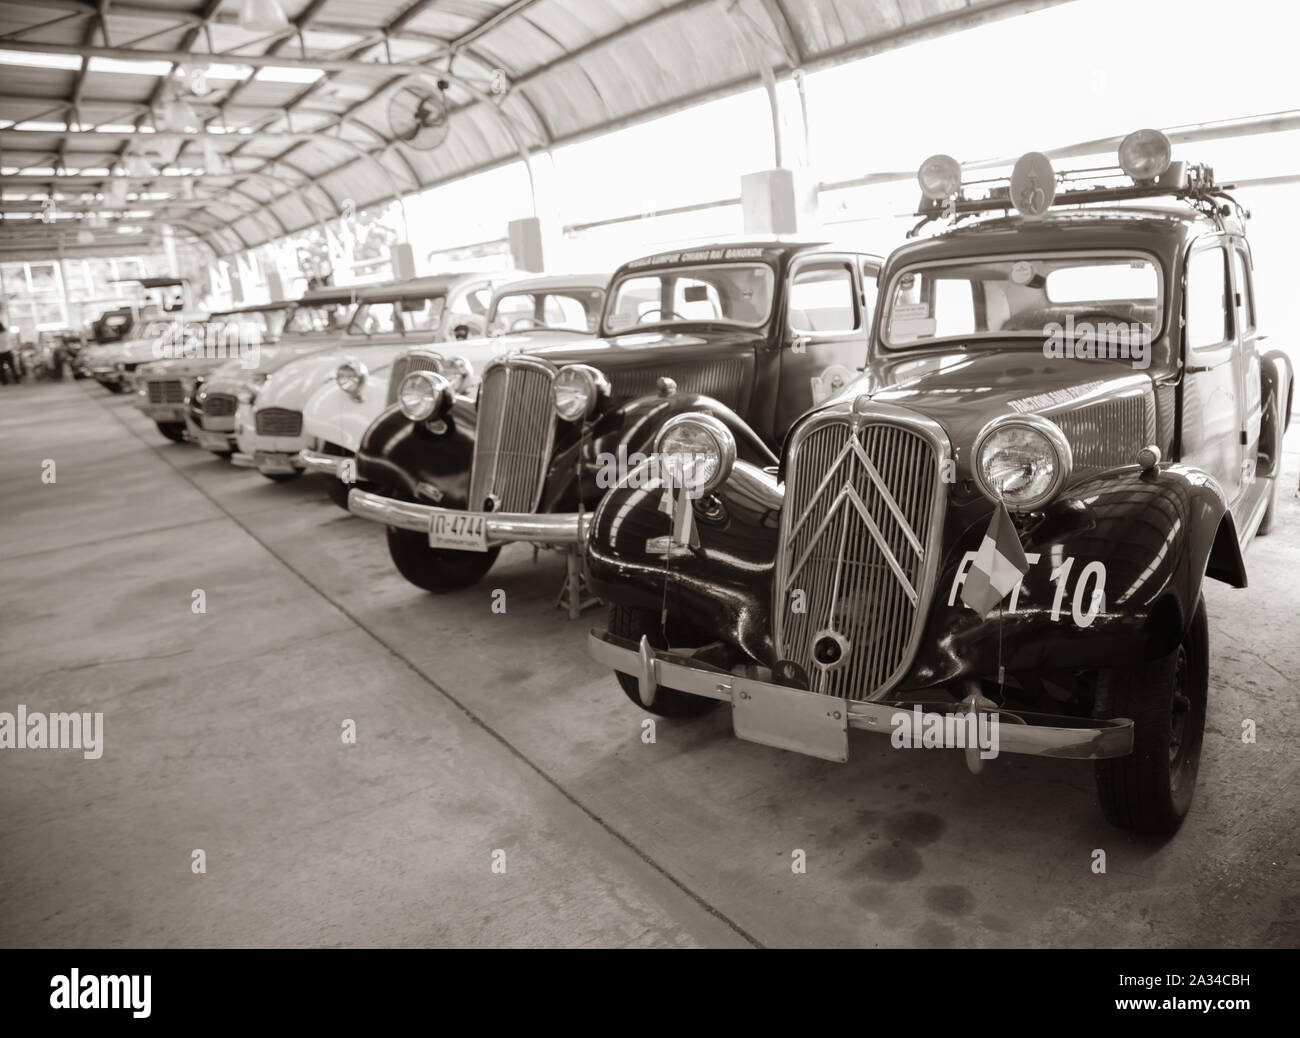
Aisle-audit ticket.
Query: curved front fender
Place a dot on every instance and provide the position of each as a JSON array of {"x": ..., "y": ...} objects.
[
  {"x": 721, "y": 588},
  {"x": 398, "y": 454},
  {"x": 1116, "y": 567}
]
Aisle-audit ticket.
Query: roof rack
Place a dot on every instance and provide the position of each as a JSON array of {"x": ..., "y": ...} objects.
[{"x": 1034, "y": 187}]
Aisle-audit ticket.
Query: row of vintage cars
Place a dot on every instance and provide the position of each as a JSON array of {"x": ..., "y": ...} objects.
[{"x": 779, "y": 462}]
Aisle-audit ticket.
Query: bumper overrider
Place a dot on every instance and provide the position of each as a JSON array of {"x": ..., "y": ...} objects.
[
  {"x": 807, "y": 722},
  {"x": 498, "y": 527},
  {"x": 325, "y": 464}
]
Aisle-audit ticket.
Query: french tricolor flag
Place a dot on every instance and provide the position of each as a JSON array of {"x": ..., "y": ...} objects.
[{"x": 999, "y": 565}]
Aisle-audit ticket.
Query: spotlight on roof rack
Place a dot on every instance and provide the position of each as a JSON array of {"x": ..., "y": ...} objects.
[
  {"x": 1144, "y": 155},
  {"x": 1033, "y": 184},
  {"x": 939, "y": 177}
]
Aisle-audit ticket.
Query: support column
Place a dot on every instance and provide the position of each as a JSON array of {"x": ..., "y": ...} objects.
[
  {"x": 777, "y": 201},
  {"x": 402, "y": 259},
  {"x": 526, "y": 244},
  {"x": 275, "y": 286}
]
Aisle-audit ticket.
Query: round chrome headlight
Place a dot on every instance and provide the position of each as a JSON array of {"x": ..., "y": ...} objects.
[
  {"x": 1022, "y": 460},
  {"x": 424, "y": 395},
  {"x": 350, "y": 377},
  {"x": 695, "y": 451},
  {"x": 578, "y": 388}
]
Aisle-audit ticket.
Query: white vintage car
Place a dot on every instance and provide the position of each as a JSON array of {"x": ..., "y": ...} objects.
[
  {"x": 192, "y": 350},
  {"x": 314, "y": 323},
  {"x": 388, "y": 320},
  {"x": 114, "y": 364},
  {"x": 532, "y": 312}
]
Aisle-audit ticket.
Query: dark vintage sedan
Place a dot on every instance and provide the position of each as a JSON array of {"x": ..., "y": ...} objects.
[
  {"x": 760, "y": 329},
  {"x": 995, "y": 537}
]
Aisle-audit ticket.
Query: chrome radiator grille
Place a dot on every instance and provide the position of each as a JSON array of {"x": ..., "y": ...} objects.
[
  {"x": 861, "y": 518},
  {"x": 166, "y": 391},
  {"x": 278, "y": 421},
  {"x": 403, "y": 366},
  {"x": 516, "y": 429},
  {"x": 1109, "y": 432},
  {"x": 219, "y": 405}
]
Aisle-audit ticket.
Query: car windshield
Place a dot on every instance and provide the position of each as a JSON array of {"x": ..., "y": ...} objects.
[
  {"x": 735, "y": 293},
  {"x": 400, "y": 316},
  {"x": 564, "y": 309},
  {"x": 322, "y": 317},
  {"x": 1031, "y": 297}
]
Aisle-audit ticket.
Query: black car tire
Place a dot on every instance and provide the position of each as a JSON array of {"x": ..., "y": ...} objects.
[
  {"x": 436, "y": 569},
  {"x": 1150, "y": 790},
  {"x": 280, "y": 477},
  {"x": 669, "y": 702},
  {"x": 112, "y": 387},
  {"x": 174, "y": 431}
]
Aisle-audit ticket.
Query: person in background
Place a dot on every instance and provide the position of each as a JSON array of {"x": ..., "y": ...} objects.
[{"x": 7, "y": 365}]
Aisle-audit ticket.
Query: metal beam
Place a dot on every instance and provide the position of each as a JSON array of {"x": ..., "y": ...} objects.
[
  {"x": 180, "y": 57},
  {"x": 182, "y": 18}
]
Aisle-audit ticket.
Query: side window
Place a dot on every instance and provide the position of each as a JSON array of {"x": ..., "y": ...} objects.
[
  {"x": 1207, "y": 298},
  {"x": 821, "y": 299},
  {"x": 1241, "y": 273}
]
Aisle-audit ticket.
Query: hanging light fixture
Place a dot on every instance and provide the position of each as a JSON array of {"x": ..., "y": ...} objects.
[{"x": 262, "y": 15}]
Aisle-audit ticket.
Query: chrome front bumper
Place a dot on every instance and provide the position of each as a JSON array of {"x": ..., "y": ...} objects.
[
  {"x": 499, "y": 528},
  {"x": 325, "y": 464},
  {"x": 1037, "y": 734}
]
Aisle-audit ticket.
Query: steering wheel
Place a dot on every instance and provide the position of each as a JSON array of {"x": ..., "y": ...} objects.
[{"x": 672, "y": 314}]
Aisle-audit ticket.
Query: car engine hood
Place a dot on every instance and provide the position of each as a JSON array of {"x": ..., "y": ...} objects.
[{"x": 964, "y": 390}]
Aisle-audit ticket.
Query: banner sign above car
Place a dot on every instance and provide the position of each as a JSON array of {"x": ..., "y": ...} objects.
[{"x": 664, "y": 259}]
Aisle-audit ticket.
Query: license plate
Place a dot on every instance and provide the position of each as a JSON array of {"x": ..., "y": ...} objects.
[
  {"x": 791, "y": 719},
  {"x": 459, "y": 531},
  {"x": 214, "y": 441},
  {"x": 267, "y": 462}
]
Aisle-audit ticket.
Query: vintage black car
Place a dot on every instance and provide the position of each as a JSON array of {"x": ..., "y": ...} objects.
[
  {"x": 829, "y": 594},
  {"x": 760, "y": 329}
]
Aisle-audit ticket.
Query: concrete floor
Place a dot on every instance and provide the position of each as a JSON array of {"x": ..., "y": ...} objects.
[{"x": 479, "y": 732}]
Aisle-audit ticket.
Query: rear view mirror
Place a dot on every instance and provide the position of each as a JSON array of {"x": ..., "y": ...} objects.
[{"x": 696, "y": 293}]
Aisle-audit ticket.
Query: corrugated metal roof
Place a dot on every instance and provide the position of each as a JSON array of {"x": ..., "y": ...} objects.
[{"x": 567, "y": 69}]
